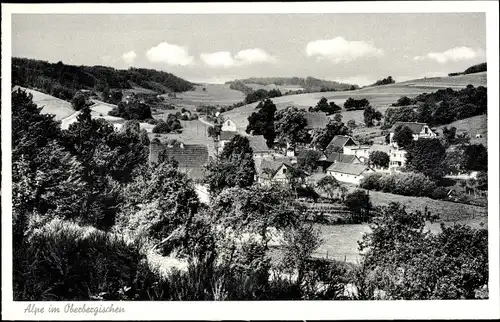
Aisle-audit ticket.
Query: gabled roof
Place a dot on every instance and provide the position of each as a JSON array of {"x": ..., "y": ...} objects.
[
  {"x": 227, "y": 135},
  {"x": 347, "y": 168},
  {"x": 316, "y": 120},
  {"x": 413, "y": 126},
  {"x": 343, "y": 158},
  {"x": 273, "y": 165},
  {"x": 258, "y": 143},
  {"x": 339, "y": 141},
  {"x": 191, "y": 157}
]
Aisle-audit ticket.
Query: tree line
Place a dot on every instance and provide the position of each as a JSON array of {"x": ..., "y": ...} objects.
[
  {"x": 63, "y": 81},
  {"x": 437, "y": 108}
]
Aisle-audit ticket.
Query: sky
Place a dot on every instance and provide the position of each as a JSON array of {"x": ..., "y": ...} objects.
[{"x": 353, "y": 48}]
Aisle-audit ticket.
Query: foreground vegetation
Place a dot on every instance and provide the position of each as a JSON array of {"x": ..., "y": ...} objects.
[{"x": 89, "y": 214}]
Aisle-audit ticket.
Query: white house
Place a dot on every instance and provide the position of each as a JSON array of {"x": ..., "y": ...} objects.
[
  {"x": 419, "y": 130},
  {"x": 397, "y": 159},
  {"x": 349, "y": 173},
  {"x": 229, "y": 126},
  {"x": 360, "y": 151}
]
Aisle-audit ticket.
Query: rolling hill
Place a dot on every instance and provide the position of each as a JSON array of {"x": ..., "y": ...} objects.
[
  {"x": 62, "y": 81},
  {"x": 380, "y": 97}
]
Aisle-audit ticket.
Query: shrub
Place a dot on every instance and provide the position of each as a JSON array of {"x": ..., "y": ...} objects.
[
  {"x": 406, "y": 184},
  {"x": 63, "y": 261}
]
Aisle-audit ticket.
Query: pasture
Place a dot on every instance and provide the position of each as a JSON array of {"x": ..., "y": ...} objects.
[
  {"x": 51, "y": 105},
  {"x": 380, "y": 97},
  {"x": 472, "y": 126},
  {"x": 214, "y": 94}
]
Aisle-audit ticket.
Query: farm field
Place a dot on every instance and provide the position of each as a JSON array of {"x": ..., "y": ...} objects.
[
  {"x": 215, "y": 94},
  {"x": 380, "y": 97},
  {"x": 51, "y": 105}
]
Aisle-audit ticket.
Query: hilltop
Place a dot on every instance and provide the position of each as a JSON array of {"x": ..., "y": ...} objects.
[
  {"x": 307, "y": 84},
  {"x": 473, "y": 69},
  {"x": 63, "y": 81}
]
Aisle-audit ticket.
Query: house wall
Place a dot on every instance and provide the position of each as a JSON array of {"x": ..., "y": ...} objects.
[
  {"x": 362, "y": 153},
  {"x": 397, "y": 158},
  {"x": 229, "y": 125},
  {"x": 348, "y": 178}
]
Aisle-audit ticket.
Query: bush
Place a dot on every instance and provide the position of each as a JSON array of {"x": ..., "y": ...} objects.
[
  {"x": 64, "y": 261},
  {"x": 406, "y": 184}
]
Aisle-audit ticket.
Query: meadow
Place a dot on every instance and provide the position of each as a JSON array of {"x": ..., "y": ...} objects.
[
  {"x": 214, "y": 94},
  {"x": 472, "y": 126},
  {"x": 380, "y": 97},
  {"x": 51, "y": 105}
]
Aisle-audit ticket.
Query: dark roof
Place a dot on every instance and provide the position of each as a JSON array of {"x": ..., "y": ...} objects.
[
  {"x": 339, "y": 141},
  {"x": 272, "y": 165},
  {"x": 191, "y": 157},
  {"x": 413, "y": 126},
  {"x": 258, "y": 143},
  {"x": 354, "y": 169},
  {"x": 316, "y": 120},
  {"x": 380, "y": 147},
  {"x": 341, "y": 157},
  {"x": 227, "y": 135},
  {"x": 303, "y": 153}
]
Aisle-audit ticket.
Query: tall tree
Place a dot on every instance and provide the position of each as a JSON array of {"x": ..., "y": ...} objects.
[
  {"x": 234, "y": 167},
  {"x": 427, "y": 156},
  {"x": 290, "y": 127},
  {"x": 403, "y": 136},
  {"x": 475, "y": 158},
  {"x": 370, "y": 115},
  {"x": 262, "y": 121},
  {"x": 379, "y": 159}
]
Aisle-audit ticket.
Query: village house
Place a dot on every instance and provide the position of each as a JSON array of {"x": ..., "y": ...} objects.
[
  {"x": 225, "y": 137},
  {"x": 229, "y": 125},
  {"x": 362, "y": 152},
  {"x": 397, "y": 156},
  {"x": 259, "y": 146},
  {"x": 276, "y": 171},
  {"x": 397, "y": 159},
  {"x": 338, "y": 143},
  {"x": 419, "y": 130},
  {"x": 191, "y": 158},
  {"x": 349, "y": 173},
  {"x": 338, "y": 157}
]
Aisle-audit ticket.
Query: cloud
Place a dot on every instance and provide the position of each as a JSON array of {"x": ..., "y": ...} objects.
[
  {"x": 220, "y": 59},
  {"x": 129, "y": 57},
  {"x": 452, "y": 54},
  {"x": 169, "y": 54},
  {"x": 360, "y": 80},
  {"x": 340, "y": 50},
  {"x": 224, "y": 59}
]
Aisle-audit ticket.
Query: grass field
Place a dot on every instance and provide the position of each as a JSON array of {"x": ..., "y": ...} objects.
[
  {"x": 472, "y": 126},
  {"x": 215, "y": 94},
  {"x": 380, "y": 97},
  {"x": 51, "y": 105}
]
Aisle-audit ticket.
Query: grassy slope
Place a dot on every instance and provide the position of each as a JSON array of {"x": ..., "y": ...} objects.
[
  {"x": 215, "y": 94},
  {"x": 472, "y": 126},
  {"x": 379, "y": 96},
  {"x": 51, "y": 105}
]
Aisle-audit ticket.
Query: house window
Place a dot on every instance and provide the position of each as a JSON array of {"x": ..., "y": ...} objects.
[
  {"x": 284, "y": 170},
  {"x": 425, "y": 131}
]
